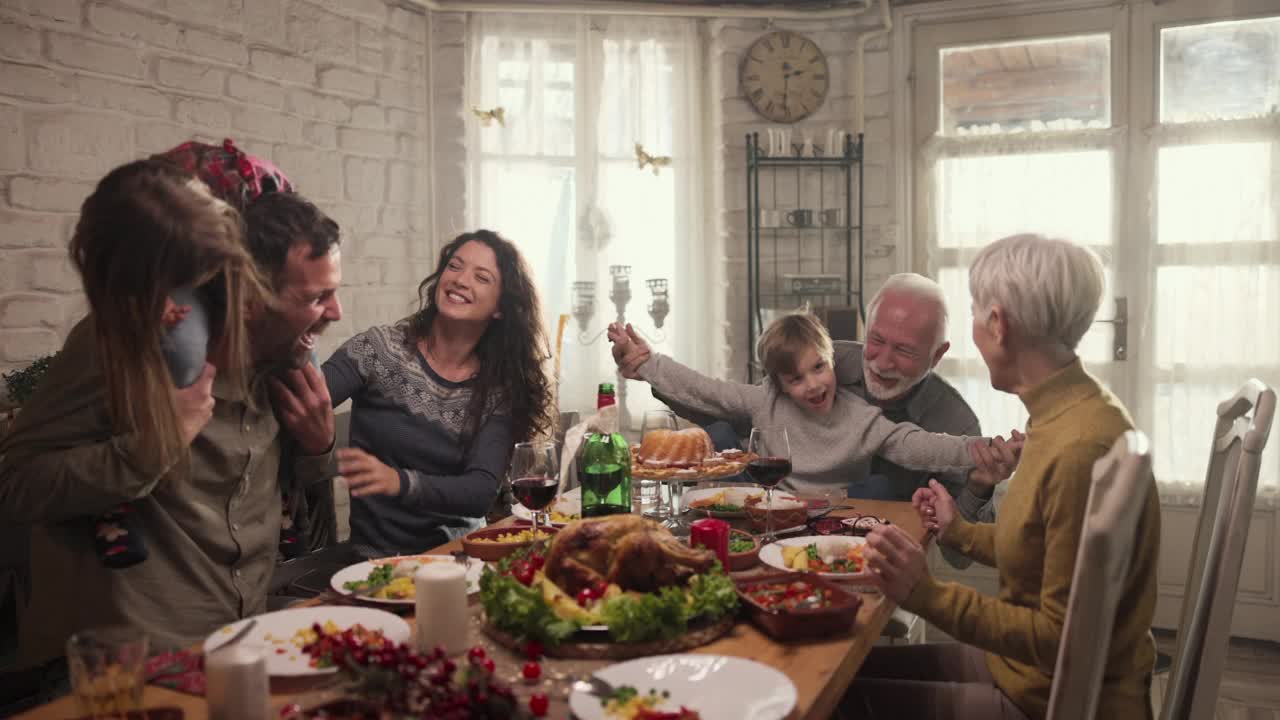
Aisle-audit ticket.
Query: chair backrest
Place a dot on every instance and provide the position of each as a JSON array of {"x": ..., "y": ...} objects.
[
  {"x": 1231, "y": 484},
  {"x": 1121, "y": 481}
]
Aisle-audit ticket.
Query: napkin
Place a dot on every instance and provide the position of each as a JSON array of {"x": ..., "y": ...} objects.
[
  {"x": 181, "y": 670},
  {"x": 603, "y": 420}
]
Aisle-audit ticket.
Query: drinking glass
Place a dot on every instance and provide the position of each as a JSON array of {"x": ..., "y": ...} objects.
[
  {"x": 771, "y": 464},
  {"x": 656, "y": 420},
  {"x": 106, "y": 668},
  {"x": 535, "y": 476}
]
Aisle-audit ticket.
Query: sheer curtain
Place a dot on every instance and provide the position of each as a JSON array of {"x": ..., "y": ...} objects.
[{"x": 562, "y": 179}]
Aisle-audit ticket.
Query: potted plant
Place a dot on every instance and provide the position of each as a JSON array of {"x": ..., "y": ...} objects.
[{"x": 21, "y": 384}]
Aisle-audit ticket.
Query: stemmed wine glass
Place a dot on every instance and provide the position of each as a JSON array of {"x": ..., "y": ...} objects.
[
  {"x": 771, "y": 464},
  {"x": 657, "y": 420},
  {"x": 535, "y": 476}
]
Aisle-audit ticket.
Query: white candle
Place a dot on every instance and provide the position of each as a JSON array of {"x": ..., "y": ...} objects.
[
  {"x": 236, "y": 684},
  {"x": 441, "y": 612}
]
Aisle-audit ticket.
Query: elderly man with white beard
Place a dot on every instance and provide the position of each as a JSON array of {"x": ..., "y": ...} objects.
[{"x": 893, "y": 369}]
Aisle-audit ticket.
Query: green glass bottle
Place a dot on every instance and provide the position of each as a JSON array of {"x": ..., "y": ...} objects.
[{"x": 604, "y": 466}]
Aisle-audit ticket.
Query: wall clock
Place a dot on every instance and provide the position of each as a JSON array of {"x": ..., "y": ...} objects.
[{"x": 784, "y": 76}]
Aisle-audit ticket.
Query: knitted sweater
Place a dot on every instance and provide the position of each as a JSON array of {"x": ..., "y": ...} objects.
[
  {"x": 413, "y": 420},
  {"x": 826, "y": 451},
  {"x": 1073, "y": 422}
]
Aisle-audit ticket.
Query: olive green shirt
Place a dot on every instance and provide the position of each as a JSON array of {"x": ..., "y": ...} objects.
[{"x": 210, "y": 523}]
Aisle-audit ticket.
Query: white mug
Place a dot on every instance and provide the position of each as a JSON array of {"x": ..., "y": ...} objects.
[
  {"x": 832, "y": 217},
  {"x": 775, "y": 142},
  {"x": 806, "y": 149},
  {"x": 770, "y": 218}
]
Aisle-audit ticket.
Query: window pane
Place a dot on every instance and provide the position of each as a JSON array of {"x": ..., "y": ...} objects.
[
  {"x": 1230, "y": 330},
  {"x": 532, "y": 205},
  {"x": 638, "y": 99},
  {"x": 1216, "y": 193},
  {"x": 1185, "y": 413},
  {"x": 533, "y": 81},
  {"x": 1220, "y": 71},
  {"x": 1027, "y": 86},
  {"x": 1064, "y": 194}
]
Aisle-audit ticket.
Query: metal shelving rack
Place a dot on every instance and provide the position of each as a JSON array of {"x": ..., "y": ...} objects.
[{"x": 766, "y": 291}]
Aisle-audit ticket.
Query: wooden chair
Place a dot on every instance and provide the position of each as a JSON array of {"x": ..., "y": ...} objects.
[
  {"x": 1231, "y": 484},
  {"x": 1121, "y": 481}
]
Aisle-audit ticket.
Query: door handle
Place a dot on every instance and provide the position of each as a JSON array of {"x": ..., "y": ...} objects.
[{"x": 1120, "y": 338}]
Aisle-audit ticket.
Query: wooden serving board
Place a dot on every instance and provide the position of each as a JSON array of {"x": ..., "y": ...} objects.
[{"x": 588, "y": 650}]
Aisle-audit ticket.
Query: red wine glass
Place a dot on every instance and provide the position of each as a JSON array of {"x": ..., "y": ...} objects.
[
  {"x": 535, "y": 476},
  {"x": 771, "y": 465}
]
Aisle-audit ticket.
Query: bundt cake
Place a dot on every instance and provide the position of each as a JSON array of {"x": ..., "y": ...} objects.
[{"x": 675, "y": 448}]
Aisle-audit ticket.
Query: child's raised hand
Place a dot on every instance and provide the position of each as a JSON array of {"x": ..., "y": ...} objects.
[
  {"x": 994, "y": 460},
  {"x": 173, "y": 313},
  {"x": 630, "y": 351}
]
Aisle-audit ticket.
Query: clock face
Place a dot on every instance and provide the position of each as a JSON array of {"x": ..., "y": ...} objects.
[{"x": 784, "y": 76}]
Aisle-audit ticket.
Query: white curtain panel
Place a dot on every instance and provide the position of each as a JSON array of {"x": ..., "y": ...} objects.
[{"x": 562, "y": 178}]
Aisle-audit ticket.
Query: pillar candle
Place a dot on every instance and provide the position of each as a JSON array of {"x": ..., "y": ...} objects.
[
  {"x": 441, "y": 612},
  {"x": 237, "y": 684}
]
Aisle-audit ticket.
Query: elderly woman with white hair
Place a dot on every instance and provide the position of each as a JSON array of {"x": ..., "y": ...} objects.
[{"x": 1033, "y": 299}]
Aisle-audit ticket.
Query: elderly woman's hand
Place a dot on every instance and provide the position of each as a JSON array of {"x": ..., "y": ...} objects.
[
  {"x": 366, "y": 474},
  {"x": 935, "y": 506},
  {"x": 995, "y": 461},
  {"x": 897, "y": 563},
  {"x": 630, "y": 351}
]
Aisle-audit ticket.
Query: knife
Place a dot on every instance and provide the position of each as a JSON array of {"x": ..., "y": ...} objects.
[{"x": 241, "y": 634}]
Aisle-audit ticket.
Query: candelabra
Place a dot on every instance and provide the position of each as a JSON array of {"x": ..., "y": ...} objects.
[{"x": 584, "y": 308}]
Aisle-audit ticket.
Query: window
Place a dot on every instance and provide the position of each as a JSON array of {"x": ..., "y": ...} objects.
[
  {"x": 1152, "y": 139},
  {"x": 562, "y": 178}
]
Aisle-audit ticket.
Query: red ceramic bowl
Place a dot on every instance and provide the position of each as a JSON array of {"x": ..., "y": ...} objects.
[
  {"x": 747, "y": 558},
  {"x": 481, "y": 544},
  {"x": 835, "y": 617}
]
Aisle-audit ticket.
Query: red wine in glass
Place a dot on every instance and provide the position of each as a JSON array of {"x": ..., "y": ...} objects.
[
  {"x": 535, "y": 493},
  {"x": 769, "y": 471}
]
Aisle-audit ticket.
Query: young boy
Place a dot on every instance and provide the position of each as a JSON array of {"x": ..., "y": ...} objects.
[{"x": 833, "y": 432}]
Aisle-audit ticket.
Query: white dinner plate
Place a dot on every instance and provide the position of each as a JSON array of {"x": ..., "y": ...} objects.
[
  {"x": 277, "y": 634},
  {"x": 570, "y": 503},
  {"x": 718, "y": 687},
  {"x": 771, "y": 554},
  {"x": 360, "y": 571}
]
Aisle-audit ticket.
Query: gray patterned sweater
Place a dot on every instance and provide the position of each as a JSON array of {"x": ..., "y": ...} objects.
[
  {"x": 825, "y": 451},
  {"x": 412, "y": 419}
]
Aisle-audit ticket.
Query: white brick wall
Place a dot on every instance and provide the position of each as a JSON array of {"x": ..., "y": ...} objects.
[{"x": 334, "y": 91}]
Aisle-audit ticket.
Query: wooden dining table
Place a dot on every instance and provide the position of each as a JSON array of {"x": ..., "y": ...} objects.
[{"x": 820, "y": 669}]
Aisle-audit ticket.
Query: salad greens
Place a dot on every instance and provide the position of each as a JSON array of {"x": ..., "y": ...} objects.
[
  {"x": 739, "y": 544},
  {"x": 379, "y": 576}
]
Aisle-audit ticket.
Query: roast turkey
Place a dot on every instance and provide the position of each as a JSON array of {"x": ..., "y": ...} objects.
[{"x": 629, "y": 550}]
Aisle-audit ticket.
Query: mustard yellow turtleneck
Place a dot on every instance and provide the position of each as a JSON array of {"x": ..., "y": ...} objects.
[{"x": 1073, "y": 422}]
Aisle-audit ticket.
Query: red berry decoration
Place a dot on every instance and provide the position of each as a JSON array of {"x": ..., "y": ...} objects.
[
  {"x": 539, "y": 704},
  {"x": 476, "y": 654},
  {"x": 533, "y": 649},
  {"x": 532, "y": 671}
]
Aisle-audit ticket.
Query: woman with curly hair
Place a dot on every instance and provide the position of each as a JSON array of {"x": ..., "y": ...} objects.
[{"x": 440, "y": 397}]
